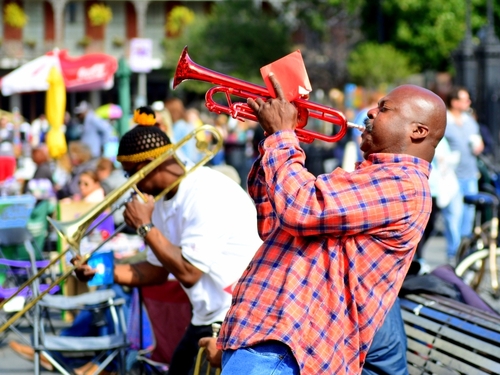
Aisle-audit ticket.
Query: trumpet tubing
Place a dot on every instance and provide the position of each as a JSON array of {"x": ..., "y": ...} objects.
[
  {"x": 73, "y": 231},
  {"x": 230, "y": 86}
]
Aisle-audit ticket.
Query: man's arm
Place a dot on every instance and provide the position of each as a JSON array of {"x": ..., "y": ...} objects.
[
  {"x": 139, "y": 274},
  {"x": 257, "y": 189},
  {"x": 171, "y": 258},
  {"x": 169, "y": 255}
]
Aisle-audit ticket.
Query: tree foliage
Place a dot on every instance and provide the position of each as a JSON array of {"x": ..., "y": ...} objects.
[
  {"x": 373, "y": 65},
  {"x": 240, "y": 38},
  {"x": 320, "y": 15},
  {"x": 429, "y": 31},
  {"x": 235, "y": 39}
]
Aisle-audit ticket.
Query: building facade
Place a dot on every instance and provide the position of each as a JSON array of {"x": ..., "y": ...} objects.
[{"x": 65, "y": 24}]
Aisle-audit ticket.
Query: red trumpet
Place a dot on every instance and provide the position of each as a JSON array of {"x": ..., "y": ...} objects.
[{"x": 187, "y": 69}]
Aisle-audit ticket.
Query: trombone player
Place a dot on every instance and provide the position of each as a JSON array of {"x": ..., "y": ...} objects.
[{"x": 203, "y": 232}]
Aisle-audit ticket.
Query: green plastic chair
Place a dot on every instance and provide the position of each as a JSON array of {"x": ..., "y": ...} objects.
[{"x": 38, "y": 227}]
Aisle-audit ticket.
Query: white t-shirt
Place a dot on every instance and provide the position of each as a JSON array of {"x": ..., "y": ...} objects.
[{"x": 214, "y": 221}]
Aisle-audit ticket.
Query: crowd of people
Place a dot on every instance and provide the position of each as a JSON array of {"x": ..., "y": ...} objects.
[{"x": 304, "y": 269}]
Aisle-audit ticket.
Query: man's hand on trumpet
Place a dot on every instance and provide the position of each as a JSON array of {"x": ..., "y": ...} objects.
[
  {"x": 274, "y": 114},
  {"x": 139, "y": 213},
  {"x": 214, "y": 355}
]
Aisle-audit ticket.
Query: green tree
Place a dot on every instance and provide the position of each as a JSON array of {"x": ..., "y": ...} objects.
[
  {"x": 428, "y": 31},
  {"x": 235, "y": 39},
  {"x": 374, "y": 65},
  {"x": 240, "y": 38},
  {"x": 320, "y": 15}
]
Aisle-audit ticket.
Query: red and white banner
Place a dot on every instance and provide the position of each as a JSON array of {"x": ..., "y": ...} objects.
[
  {"x": 84, "y": 73},
  {"x": 88, "y": 72}
]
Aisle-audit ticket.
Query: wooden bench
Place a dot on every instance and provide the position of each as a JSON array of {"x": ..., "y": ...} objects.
[{"x": 449, "y": 337}]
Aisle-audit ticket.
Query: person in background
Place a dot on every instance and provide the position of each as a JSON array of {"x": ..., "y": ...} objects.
[
  {"x": 463, "y": 136},
  {"x": 62, "y": 172},
  {"x": 6, "y": 130},
  {"x": 40, "y": 156},
  {"x": 446, "y": 199},
  {"x": 41, "y": 185},
  {"x": 337, "y": 247},
  {"x": 81, "y": 159},
  {"x": 39, "y": 128},
  {"x": 90, "y": 188},
  {"x": 112, "y": 178},
  {"x": 109, "y": 176},
  {"x": 95, "y": 132},
  {"x": 73, "y": 128},
  {"x": 181, "y": 127},
  {"x": 163, "y": 118}
]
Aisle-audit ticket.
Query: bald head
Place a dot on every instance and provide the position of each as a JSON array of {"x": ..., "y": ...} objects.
[
  {"x": 409, "y": 120},
  {"x": 426, "y": 108}
]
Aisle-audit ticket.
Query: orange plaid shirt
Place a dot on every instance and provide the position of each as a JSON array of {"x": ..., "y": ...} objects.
[{"x": 336, "y": 250}]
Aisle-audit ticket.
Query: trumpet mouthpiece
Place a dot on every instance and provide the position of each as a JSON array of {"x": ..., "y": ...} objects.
[{"x": 356, "y": 126}]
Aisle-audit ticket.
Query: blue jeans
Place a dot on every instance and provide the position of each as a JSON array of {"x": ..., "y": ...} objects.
[
  {"x": 452, "y": 220},
  {"x": 266, "y": 358},
  {"x": 468, "y": 186},
  {"x": 387, "y": 353}
]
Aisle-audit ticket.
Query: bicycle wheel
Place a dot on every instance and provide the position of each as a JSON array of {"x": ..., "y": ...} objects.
[
  {"x": 479, "y": 241},
  {"x": 474, "y": 270}
]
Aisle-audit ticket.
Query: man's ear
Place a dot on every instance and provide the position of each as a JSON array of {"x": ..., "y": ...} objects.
[{"x": 419, "y": 131}]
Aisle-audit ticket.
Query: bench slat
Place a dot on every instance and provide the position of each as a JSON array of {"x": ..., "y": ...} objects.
[
  {"x": 468, "y": 313},
  {"x": 447, "y": 337},
  {"x": 453, "y": 363},
  {"x": 415, "y": 360},
  {"x": 417, "y": 347},
  {"x": 414, "y": 371},
  {"x": 457, "y": 323},
  {"x": 419, "y": 335},
  {"x": 411, "y": 318},
  {"x": 471, "y": 310},
  {"x": 470, "y": 342},
  {"x": 467, "y": 355}
]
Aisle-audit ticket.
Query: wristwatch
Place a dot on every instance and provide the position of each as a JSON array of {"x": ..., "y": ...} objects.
[{"x": 143, "y": 230}]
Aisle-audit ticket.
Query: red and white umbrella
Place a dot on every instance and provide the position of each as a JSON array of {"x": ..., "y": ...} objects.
[{"x": 84, "y": 73}]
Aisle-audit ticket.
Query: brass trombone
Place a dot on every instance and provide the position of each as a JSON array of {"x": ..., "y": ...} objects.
[{"x": 73, "y": 231}]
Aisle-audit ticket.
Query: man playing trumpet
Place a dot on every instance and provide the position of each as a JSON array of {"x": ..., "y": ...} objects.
[
  {"x": 203, "y": 232},
  {"x": 336, "y": 247}
]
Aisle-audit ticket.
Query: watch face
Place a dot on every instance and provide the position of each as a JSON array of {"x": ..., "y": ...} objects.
[
  {"x": 141, "y": 231},
  {"x": 144, "y": 229}
]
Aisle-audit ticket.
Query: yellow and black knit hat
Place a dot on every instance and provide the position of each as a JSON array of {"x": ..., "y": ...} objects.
[{"x": 145, "y": 141}]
